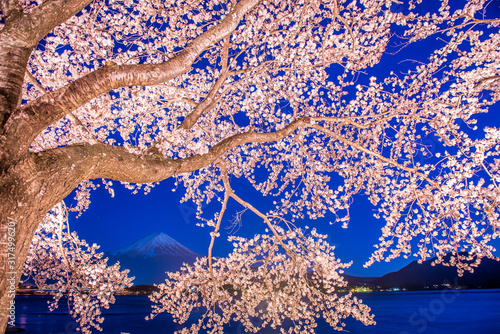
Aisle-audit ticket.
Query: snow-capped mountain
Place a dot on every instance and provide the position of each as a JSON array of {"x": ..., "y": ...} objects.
[
  {"x": 150, "y": 257},
  {"x": 151, "y": 245}
]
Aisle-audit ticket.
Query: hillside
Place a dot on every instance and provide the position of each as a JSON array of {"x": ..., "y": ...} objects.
[{"x": 418, "y": 276}]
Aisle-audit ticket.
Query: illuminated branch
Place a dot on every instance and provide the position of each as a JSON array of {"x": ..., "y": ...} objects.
[
  {"x": 209, "y": 100},
  {"x": 258, "y": 213},
  {"x": 374, "y": 154},
  {"x": 214, "y": 234}
]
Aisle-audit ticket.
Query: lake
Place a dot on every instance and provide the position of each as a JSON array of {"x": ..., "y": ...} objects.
[{"x": 429, "y": 312}]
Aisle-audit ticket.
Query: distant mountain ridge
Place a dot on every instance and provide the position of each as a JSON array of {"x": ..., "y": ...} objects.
[
  {"x": 150, "y": 257},
  {"x": 358, "y": 280},
  {"x": 417, "y": 276}
]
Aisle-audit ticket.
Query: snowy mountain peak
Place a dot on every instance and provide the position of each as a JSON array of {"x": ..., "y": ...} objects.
[{"x": 152, "y": 245}]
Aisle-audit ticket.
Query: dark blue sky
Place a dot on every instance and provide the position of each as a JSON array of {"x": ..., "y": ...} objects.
[{"x": 113, "y": 222}]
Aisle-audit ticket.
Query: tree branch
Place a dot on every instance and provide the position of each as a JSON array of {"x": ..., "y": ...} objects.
[
  {"x": 52, "y": 13},
  {"x": 264, "y": 217},
  {"x": 215, "y": 233},
  {"x": 30, "y": 28},
  {"x": 374, "y": 154},
  {"x": 35, "y": 82},
  {"x": 116, "y": 163},
  {"x": 42, "y": 112},
  {"x": 485, "y": 80},
  {"x": 70, "y": 116},
  {"x": 209, "y": 101},
  {"x": 207, "y": 104}
]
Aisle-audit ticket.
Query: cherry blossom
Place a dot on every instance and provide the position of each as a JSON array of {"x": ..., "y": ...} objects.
[
  {"x": 59, "y": 261},
  {"x": 281, "y": 94}
]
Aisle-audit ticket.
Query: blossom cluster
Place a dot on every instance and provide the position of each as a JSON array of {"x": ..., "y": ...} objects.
[
  {"x": 284, "y": 281},
  {"x": 58, "y": 261}
]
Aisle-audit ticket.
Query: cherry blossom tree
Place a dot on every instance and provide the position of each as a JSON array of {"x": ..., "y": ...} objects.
[{"x": 140, "y": 91}]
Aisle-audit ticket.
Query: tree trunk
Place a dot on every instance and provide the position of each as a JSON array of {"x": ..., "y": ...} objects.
[
  {"x": 18, "y": 206},
  {"x": 30, "y": 188}
]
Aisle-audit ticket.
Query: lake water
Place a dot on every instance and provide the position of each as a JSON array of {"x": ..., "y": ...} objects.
[{"x": 429, "y": 312}]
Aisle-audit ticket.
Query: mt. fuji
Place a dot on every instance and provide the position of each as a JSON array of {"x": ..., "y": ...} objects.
[
  {"x": 151, "y": 245},
  {"x": 151, "y": 256}
]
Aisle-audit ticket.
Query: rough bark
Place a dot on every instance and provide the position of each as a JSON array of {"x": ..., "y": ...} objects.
[
  {"x": 19, "y": 36},
  {"x": 30, "y": 28},
  {"x": 13, "y": 60}
]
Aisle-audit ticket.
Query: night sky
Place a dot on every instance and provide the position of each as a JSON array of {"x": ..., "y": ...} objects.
[{"x": 113, "y": 222}]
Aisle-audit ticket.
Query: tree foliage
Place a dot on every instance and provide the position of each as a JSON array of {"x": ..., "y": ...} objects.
[{"x": 139, "y": 91}]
